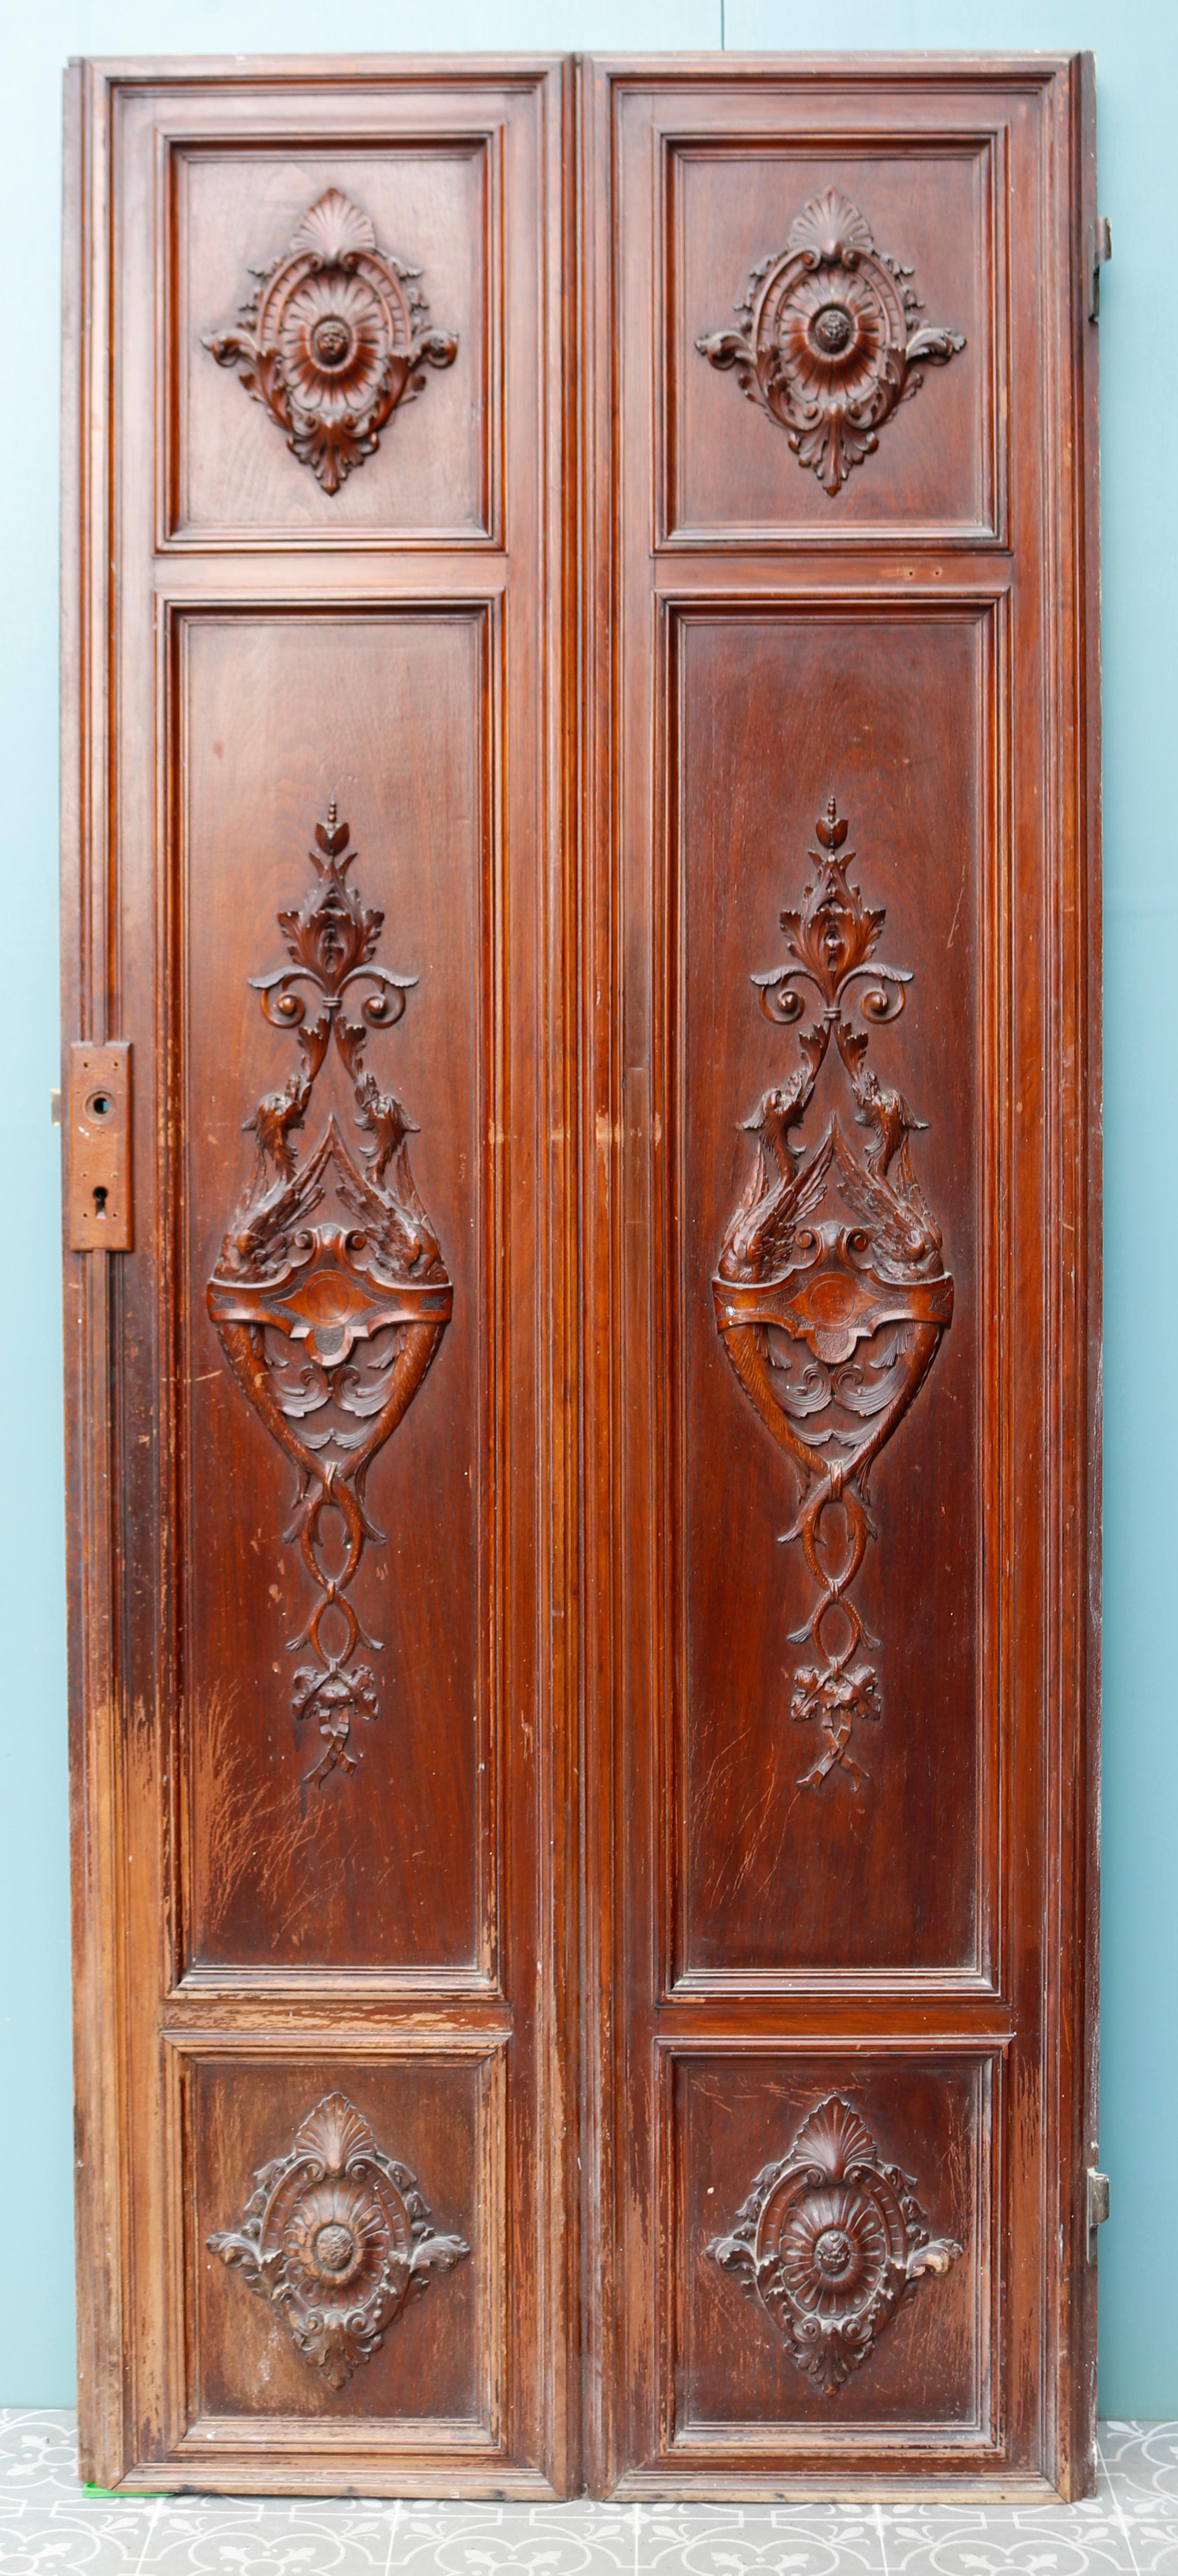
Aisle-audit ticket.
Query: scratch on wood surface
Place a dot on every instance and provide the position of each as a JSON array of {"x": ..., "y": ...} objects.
[{"x": 256, "y": 1832}]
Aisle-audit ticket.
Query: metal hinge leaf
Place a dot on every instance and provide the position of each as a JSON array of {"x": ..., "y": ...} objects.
[
  {"x": 1097, "y": 2200},
  {"x": 1100, "y": 251}
]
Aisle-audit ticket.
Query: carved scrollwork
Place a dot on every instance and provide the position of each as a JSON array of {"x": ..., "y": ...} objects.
[
  {"x": 330, "y": 1328},
  {"x": 832, "y": 2242},
  {"x": 333, "y": 338},
  {"x": 831, "y": 1295},
  {"x": 336, "y": 2237},
  {"x": 829, "y": 342}
]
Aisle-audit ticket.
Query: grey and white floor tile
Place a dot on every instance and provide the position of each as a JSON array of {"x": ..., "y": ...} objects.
[
  {"x": 49, "y": 2526},
  {"x": 759, "y": 2540},
  {"x": 1141, "y": 2464}
]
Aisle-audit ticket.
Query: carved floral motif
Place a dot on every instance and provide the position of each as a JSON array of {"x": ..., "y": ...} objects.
[
  {"x": 832, "y": 2242},
  {"x": 336, "y": 2237},
  {"x": 330, "y": 1328},
  {"x": 829, "y": 343},
  {"x": 831, "y": 1295},
  {"x": 334, "y": 336}
]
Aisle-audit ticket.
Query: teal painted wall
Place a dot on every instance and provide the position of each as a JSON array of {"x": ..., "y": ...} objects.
[{"x": 1136, "y": 42}]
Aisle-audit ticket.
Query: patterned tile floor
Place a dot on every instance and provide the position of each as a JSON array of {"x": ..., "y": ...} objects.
[{"x": 1130, "y": 2528}]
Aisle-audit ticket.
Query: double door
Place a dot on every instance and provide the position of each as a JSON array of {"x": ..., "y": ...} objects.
[{"x": 580, "y": 863}]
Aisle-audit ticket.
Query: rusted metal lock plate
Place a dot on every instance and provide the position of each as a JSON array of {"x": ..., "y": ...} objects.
[{"x": 100, "y": 1147}]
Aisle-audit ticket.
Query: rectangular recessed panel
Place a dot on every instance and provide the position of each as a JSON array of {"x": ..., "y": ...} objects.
[
  {"x": 350, "y": 2274},
  {"x": 812, "y": 1741},
  {"x": 845, "y": 299},
  {"x": 833, "y": 2246},
  {"x": 329, "y": 283},
  {"x": 337, "y": 1772}
]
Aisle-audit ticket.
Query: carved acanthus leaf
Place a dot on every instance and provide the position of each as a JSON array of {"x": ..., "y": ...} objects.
[
  {"x": 842, "y": 1257},
  {"x": 330, "y": 1327}
]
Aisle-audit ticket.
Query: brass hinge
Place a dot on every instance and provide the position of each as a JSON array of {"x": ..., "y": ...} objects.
[
  {"x": 99, "y": 1136},
  {"x": 1097, "y": 2204},
  {"x": 1100, "y": 251}
]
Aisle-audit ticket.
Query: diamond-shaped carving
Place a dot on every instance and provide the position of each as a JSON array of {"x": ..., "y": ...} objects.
[
  {"x": 336, "y": 2237},
  {"x": 333, "y": 338},
  {"x": 829, "y": 342},
  {"x": 832, "y": 2242}
]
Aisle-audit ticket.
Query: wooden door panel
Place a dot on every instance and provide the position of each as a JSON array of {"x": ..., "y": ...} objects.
[
  {"x": 841, "y": 1191},
  {"x": 754, "y": 2361},
  {"x": 261, "y": 2362},
  {"x": 315, "y": 871},
  {"x": 279, "y": 716},
  {"x": 234, "y": 215},
  {"x": 749, "y": 215},
  {"x": 775, "y": 710}
]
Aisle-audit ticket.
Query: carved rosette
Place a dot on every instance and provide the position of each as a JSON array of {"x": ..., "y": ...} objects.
[
  {"x": 831, "y": 1295},
  {"x": 829, "y": 343},
  {"x": 333, "y": 338},
  {"x": 330, "y": 1327},
  {"x": 832, "y": 2242},
  {"x": 336, "y": 2237}
]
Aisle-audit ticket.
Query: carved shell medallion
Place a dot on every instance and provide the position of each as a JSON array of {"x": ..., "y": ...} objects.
[
  {"x": 829, "y": 343},
  {"x": 333, "y": 338},
  {"x": 336, "y": 2237},
  {"x": 832, "y": 2242}
]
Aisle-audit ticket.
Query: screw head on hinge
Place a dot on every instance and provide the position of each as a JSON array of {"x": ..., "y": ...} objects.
[{"x": 1097, "y": 2206}]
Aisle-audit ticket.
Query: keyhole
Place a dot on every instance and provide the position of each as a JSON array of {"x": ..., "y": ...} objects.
[{"x": 100, "y": 1198}]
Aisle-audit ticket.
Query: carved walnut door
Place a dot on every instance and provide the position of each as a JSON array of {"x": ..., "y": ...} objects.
[
  {"x": 580, "y": 852},
  {"x": 319, "y": 1470},
  {"x": 841, "y": 1178}
]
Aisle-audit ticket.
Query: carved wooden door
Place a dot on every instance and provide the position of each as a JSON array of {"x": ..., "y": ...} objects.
[
  {"x": 318, "y": 1466},
  {"x": 580, "y": 862},
  {"x": 842, "y": 1180}
]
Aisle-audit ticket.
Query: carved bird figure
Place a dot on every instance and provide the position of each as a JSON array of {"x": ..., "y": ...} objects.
[
  {"x": 889, "y": 1114},
  {"x": 903, "y": 1233},
  {"x": 261, "y": 1237},
  {"x": 384, "y": 1197},
  {"x": 274, "y": 1118},
  {"x": 760, "y": 1239},
  {"x": 385, "y": 1120}
]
